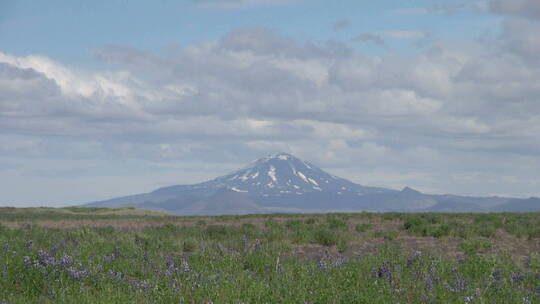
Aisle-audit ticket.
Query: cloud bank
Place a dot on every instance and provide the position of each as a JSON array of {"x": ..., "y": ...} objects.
[
  {"x": 527, "y": 8},
  {"x": 455, "y": 118}
]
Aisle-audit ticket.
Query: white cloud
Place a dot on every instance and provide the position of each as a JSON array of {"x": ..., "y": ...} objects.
[
  {"x": 68, "y": 80},
  {"x": 253, "y": 92}
]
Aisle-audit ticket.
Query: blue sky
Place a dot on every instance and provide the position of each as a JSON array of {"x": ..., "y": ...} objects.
[
  {"x": 71, "y": 31},
  {"x": 107, "y": 98}
]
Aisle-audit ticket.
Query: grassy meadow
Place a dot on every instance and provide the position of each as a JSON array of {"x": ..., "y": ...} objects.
[{"x": 125, "y": 255}]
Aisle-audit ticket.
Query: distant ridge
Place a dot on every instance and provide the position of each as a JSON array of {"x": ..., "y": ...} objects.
[{"x": 284, "y": 183}]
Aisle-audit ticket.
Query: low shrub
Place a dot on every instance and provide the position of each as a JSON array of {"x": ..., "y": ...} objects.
[
  {"x": 387, "y": 235},
  {"x": 363, "y": 227},
  {"x": 217, "y": 231},
  {"x": 486, "y": 230},
  {"x": 189, "y": 245},
  {"x": 533, "y": 233},
  {"x": 311, "y": 221},
  {"x": 337, "y": 224},
  {"x": 475, "y": 246},
  {"x": 440, "y": 231},
  {"x": 326, "y": 237}
]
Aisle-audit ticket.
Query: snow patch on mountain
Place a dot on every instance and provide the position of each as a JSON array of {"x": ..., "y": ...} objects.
[
  {"x": 272, "y": 173},
  {"x": 237, "y": 190},
  {"x": 302, "y": 176},
  {"x": 313, "y": 181},
  {"x": 282, "y": 175},
  {"x": 283, "y": 156}
]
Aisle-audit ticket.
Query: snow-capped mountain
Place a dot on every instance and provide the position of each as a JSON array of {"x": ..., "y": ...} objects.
[
  {"x": 284, "y": 183},
  {"x": 284, "y": 174}
]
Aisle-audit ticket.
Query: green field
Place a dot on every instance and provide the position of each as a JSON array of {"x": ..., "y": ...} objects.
[{"x": 125, "y": 255}]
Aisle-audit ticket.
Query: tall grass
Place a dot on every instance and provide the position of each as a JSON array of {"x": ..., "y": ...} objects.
[{"x": 266, "y": 262}]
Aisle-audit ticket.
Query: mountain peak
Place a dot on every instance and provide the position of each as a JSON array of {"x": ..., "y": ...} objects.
[
  {"x": 283, "y": 156},
  {"x": 282, "y": 161},
  {"x": 278, "y": 156},
  {"x": 283, "y": 174},
  {"x": 410, "y": 190}
]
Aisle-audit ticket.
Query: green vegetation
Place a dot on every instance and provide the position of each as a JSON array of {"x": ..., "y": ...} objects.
[
  {"x": 363, "y": 227},
  {"x": 74, "y": 213},
  {"x": 282, "y": 258},
  {"x": 475, "y": 246}
]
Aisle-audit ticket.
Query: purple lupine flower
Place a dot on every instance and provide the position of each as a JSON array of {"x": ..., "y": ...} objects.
[
  {"x": 113, "y": 256},
  {"x": 383, "y": 272},
  {"x": 258, "y": 244},
  {"x": 77, "y": 274},
  {"x": 432, "y": 274},
  {"x": 516, "y": 277},
  {"x": 245, "y": 241},
  {"x": 410, "y": 261},
  {"x": 497, "y": 274},
  {"x": 460, "y": 284},
  {"x": 433, "y": 267},
  {"x": 29, "y": 244},
  {"x": 527, "y": 262},
  {"x": 322, "y": 265},
  {"x": 115, "y": 274},
  {"x": 340, "y": 261},
  {"x": 27, "y": 262},
  {"x": 413, "y": 258},
  {"x": 185, "y": 265},
  {"x": 66, "y": 260},
  {"x": 476, "y": 294},
  {"x": 170, "y": 265},
  {"x": 45, "y": 259},
  {"x": 143, "y": 285},
  {"x": 429, "y": 283},
  {"x": 222, "y": 248},
  {"x": 116, "y": 253},
  {"x": 279, "y": 267}
]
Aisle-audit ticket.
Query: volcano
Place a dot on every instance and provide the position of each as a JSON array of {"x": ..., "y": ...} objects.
[{"x": 285, "y": 183}]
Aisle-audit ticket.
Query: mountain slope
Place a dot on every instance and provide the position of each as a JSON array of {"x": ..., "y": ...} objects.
[
  {"x": 284, "y": 183},
  {"x": 277, "y": 175},
  {"x": 520, "y": 205}
]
